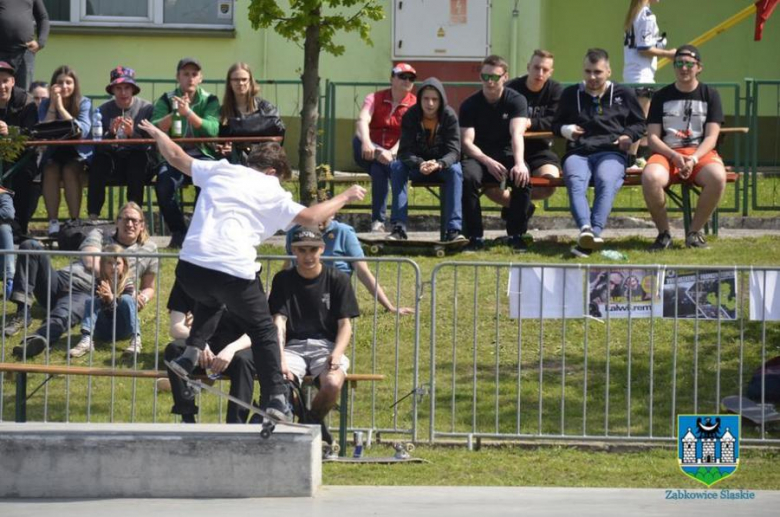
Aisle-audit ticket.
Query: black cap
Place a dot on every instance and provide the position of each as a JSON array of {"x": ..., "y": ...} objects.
[
  {"x": 188, "y": 61},
  {"x": 304, "y": 236},
  {"x": 690, "y": 51}
]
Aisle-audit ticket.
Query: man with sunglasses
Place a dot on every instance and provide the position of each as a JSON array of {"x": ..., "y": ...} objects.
[
  {"x": 492, "y": 123},
  {"x": 683, "y": 128},
  {"x": 378, "y": 133},
  {"x": 600, "y": 120}
]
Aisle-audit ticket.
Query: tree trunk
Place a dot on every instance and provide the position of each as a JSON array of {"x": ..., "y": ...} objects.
[{"x": 307, "y": 147}]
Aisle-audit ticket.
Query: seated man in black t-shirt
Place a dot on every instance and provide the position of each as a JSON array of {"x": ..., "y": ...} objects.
[
  {"x": 312, "y": 306},
  {"x": 492, "y": 123},
  {"x": 227, "y": 353}
]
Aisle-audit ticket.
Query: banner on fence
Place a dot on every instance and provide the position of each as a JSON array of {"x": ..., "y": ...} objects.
[
  {"x": 706, "y": 295},
  {"x": 764, "y": 299},
  {"x": 624, "y": 292},
  {"x": 549, "y": 292}
]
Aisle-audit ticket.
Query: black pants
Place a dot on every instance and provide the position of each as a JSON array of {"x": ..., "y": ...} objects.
[
  {"x": 475, "y": 176},
  {"x": 125, "y": 167},
  {"x": 242, "y": 379},
  {"x": 27, "y": 193},
  {"x": 33, "y": 274},
  {"x": 214, "y": 292}
]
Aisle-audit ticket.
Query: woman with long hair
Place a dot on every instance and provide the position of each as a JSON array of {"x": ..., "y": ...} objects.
[
  {"x": 244, "y": 112},
  {"x": 643, "y": 44},
  {"x": 65, "y": 163}
]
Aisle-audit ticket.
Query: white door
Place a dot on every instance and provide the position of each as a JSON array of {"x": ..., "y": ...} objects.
[{"x": 441, "y": 29}]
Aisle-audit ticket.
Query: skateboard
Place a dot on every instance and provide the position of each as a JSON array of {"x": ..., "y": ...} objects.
[
  {"x": 439, "y": 248},
  {"x": 402, "y": 455},
  {"x": 751, "y": 410},
  {"x": 267, "y": 422}
]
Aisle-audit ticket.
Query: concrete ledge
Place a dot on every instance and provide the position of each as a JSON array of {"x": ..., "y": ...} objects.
[{"x": 157, "y": 460}]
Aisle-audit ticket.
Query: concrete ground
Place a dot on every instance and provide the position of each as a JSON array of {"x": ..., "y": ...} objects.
[{"x": 414, "y": 501}]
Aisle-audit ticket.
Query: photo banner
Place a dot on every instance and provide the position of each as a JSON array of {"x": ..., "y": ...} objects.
[
  {"x": 550, "y": 292},
  {"x": 707, "y": 295},
  {"x": 623, "y": 292},
  {"x": 764, "y": 297}
]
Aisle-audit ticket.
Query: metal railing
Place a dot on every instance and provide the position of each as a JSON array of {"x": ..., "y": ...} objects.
[{"x": 763, "y": 101}]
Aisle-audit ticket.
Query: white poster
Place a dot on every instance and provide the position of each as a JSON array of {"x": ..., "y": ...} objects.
[
  {"x": 550, "y": 292},
  {"x": 764, "y": 304},
  {"x": 624, "y": 291}
]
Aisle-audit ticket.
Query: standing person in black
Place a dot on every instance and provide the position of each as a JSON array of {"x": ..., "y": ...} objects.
[
  {"x": 19, "y": 21},
  {"x": 128, "y": 163},
  {"x": 492, "y": 123},
  {"x": 227, "y": 353},
  {"x": 18, "y": 109}
]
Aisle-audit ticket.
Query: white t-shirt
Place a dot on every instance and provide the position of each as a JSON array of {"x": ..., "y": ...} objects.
[
  {"x": 644, "y": 34},
  {"x": 238, "y": 208}
]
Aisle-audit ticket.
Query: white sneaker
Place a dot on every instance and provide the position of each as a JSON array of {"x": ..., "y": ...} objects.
[
  {"x": 54, "y": 227},
  {"x": 585, "y": 240},
  {"x": 377, "y": 227},
  {"x": 135, "y": 345},
  {"x": 83, "y": 347}
]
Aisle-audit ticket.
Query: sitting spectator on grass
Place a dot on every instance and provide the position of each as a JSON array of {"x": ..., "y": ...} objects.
[
  {"x": 341, "y": 241},
  {"x": 429, "y": 152},
  {"x": 112, "y": 314},
  {"x": 378, "y": 133},
  {"x": 65, "y": 163},
  {"x": 67, "y": 290},
  {"x": 312, "y": 308},
  {"x": 227, "y": 353},
  {"x": 126, "y": 163},
  {"x": 600, "y": 120},
  {"x": 492, "y": 124},
  {"x": 244, "y": 113},
  {"x": 199, "y": 111},
  {"x": 683, "y": 129}
]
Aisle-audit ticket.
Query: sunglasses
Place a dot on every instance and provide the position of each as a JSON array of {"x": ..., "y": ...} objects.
[
  {"x": 405, "y": 77},
  {"x": 685, "y": 64},
  {"x": 490, "y": 77}
]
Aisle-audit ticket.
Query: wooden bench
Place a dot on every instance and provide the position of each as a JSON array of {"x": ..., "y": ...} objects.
[{"x": 23, "y": 369}]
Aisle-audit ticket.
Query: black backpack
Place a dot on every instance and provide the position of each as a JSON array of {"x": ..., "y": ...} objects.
[
  {"x": 73, "y": 233},
  {"x": 771, "y": 374}
]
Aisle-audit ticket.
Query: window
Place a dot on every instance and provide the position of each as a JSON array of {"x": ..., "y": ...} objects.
[{"x": 182, "y": 14}]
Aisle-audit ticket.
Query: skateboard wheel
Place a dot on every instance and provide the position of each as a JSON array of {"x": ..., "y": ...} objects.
[
  {"x": 374, "y": 249},
  {"x": 439, "y": 253},
  {"x": 336, "y": 448},
  {"x": 188, "y": 393},
  {"x": 265, "y": 434},
  {"x": 409, "y": 447}
]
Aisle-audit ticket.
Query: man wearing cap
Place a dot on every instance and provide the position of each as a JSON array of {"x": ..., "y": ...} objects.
[
  {"x": 17, "y": 109},
  {"x": 683, "y": 127},
  {"x": 312, "y": 306},
  {"x": 127, "y": 163},
  {"x": 19, "y": 22},
  {"x": 200, "y": 118},
  {"x": 378, "y": 133}
]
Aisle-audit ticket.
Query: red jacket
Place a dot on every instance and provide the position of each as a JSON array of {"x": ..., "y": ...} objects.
[{"x": 385, "y": 125}]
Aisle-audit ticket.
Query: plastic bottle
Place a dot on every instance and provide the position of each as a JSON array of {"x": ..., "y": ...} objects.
[
  {"x": 120, "y": 133},
  {"x": 97, "y": 125},
  {"x": 614, "y": 255},
  {"x": 176, "y": 122}
]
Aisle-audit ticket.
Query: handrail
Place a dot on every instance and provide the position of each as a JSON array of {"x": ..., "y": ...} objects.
[{"x": 143, "y": 141}]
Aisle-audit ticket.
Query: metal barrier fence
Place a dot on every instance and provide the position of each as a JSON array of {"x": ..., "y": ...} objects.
[
  {"x": 764, "y": 96},
  {"x": 382, "y": 343},
  {"x": 511, "y": 360}
]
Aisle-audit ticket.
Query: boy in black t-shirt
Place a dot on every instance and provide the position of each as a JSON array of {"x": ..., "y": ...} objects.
[
  {"x": 312, "y": 306},
  {"x": 683, "y": 128},
  {"x": 492, "y": 123}
]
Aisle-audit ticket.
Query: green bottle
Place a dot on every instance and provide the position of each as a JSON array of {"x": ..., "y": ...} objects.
[{"x": 176, "y": 121}]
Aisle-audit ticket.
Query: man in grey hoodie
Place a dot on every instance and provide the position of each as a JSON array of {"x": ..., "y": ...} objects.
[{"x": 429, "y": 151}]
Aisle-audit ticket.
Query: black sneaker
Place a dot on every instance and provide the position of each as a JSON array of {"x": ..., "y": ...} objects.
[
  {"x": 17, "y": 323},
  {"x": 518, "y": 244},
  {"x": 580, "y": 252},
  {"x": 185, "y": 363},
  {"x": 454, "y": 236},
  {"x": 35, "y": 345},
  {"x": 662, "y": 242},
  {"x": 279, "y": 408},
  {"x": 398, "y": 234},
  {"x": 696, "y": 240},
  {"x": 475, "y": 244}
]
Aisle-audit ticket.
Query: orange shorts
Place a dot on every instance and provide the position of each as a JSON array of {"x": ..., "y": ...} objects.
[{"x": 663, "y": 161}]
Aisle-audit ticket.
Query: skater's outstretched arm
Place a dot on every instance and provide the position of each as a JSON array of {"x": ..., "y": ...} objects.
[
  {"x": 170, "y": 150},
  {"x": 314, "y": 215}
]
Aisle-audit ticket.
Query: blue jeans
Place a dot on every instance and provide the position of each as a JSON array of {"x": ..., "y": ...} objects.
[
  {"x": 7, "y": 214},
  {"x": 607, "y": 170},
  {"x": 380, "y": 177},
  {"x": 99, "y": 320},
  {"x": 452, "y": 178}
]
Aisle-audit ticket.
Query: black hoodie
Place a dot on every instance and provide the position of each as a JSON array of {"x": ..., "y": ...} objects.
[
  {"x": 616, "y": 113},
  {"x": 20, "y": 111},
  {"x": 414, "y": 147}
]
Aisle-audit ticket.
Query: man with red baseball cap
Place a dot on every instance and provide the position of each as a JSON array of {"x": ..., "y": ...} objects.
[{"x": 378, "y": 132}]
